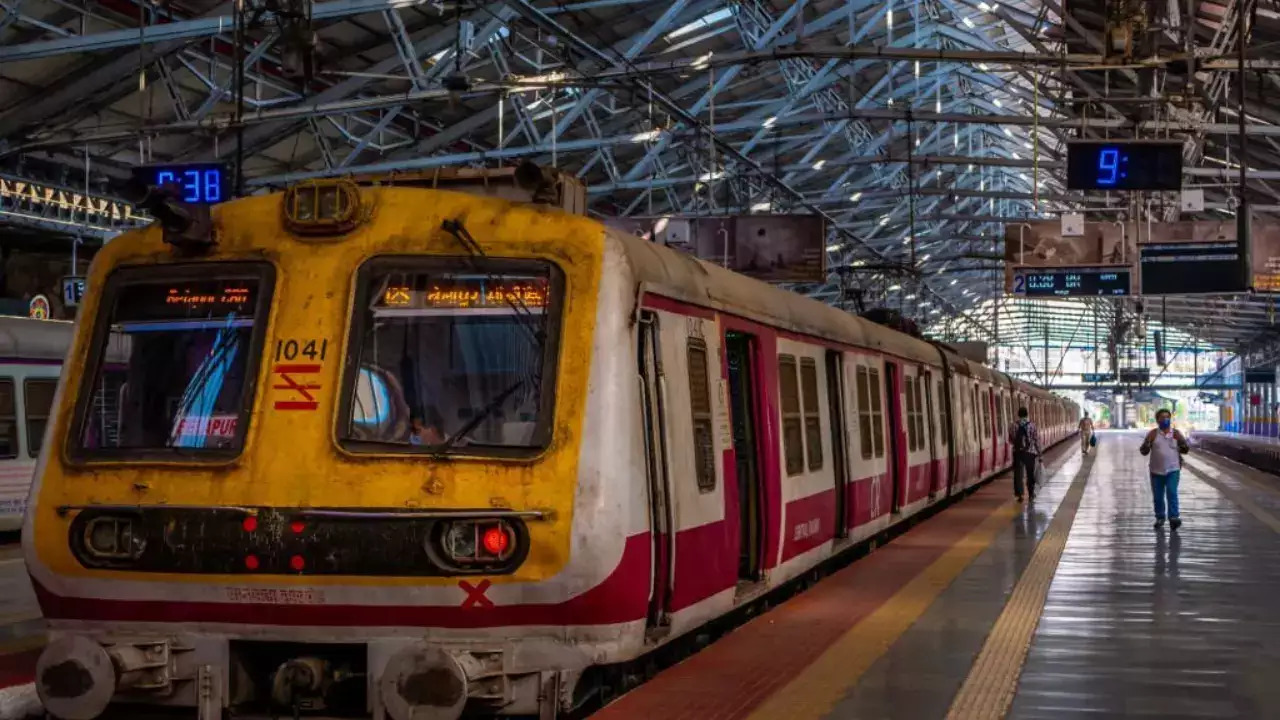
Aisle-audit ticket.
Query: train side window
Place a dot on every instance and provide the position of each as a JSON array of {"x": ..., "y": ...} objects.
[
  {"x": 945, "y": 412},
  {"x": 921, "y": 440},
  {"x": 792, "y": 422},
  {"x": 864, "y": 413},
  {"x": 37, "y": 395},
  {"x": 910, "y": 392},
  {"x": 704, "y": 452},
  {"x": 8, "y": 420},
  {"x": 986, "y": 415},
  {"x": 812, "y": 415},
  {"x": 877, "y": 413}
]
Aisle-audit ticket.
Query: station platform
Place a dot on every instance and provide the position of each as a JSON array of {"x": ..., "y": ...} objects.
[
  {"x": 1071, "y": 607},
  {"x": 1252, "y": 450},
  {"x": 21, "y": 636}
]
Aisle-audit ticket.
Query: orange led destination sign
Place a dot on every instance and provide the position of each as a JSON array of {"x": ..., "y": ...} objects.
[{"x": 467, "y": 295}]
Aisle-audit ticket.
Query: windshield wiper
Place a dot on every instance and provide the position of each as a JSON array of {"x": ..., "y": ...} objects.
[
  {"x": 522, "y": 312},
  {"x": 475, "y": 421}
]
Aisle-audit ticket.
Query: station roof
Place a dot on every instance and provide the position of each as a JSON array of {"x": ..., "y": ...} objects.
[{"x": 919, "y": 127}]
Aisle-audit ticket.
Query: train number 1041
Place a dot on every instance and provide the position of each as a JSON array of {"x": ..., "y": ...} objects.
[{"x": 295, "y": 349}]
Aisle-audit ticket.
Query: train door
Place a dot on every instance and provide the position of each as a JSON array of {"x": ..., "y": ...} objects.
[
  {"x": 934, "y": 474},
  {"x": 897, "y": 444},
  {"x": 744, "y": 400},
  {"x": 839, "y": 460},
  {"x": 660, "y": 511}
]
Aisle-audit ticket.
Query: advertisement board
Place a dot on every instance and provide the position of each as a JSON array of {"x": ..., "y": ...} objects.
[
  {"x": 773, "y": 248},
  {"x": 1265, "y": 256}
]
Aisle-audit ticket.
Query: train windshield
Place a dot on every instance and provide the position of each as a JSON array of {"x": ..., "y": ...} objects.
[
  {"x": 174, "y": 363},
  {"x": 453, "y": 353}
]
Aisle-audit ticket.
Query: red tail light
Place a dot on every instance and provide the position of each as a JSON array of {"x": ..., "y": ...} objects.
[
  {"x": 470, "y": 543},
  {"x": 495, "y": 541}
]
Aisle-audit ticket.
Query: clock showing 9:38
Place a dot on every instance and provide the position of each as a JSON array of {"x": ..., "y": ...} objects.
[
  {"x": 195, "y": 183},
  {"x": 1124, "y": 165}
]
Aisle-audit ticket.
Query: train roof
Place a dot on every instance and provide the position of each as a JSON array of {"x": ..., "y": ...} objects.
[
  {"x": 686, "y": 278},
  {"x": 30, "y": 339}
]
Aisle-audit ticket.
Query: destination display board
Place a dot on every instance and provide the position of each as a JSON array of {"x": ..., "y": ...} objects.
[
  {"x": 1073, "y": 282},
  {"x": 1135, "y": 375},
  {"x": 1190, "y": 258},
  {"x": 1040, "y": 244},
  {"x": 1098, "y": 377}
]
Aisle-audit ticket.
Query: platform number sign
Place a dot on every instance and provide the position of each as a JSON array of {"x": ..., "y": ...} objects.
[
  {"x": 196, "y": 183},
  {"x": 1124, "y": 165},
  {"x": 72, "y": 291}
]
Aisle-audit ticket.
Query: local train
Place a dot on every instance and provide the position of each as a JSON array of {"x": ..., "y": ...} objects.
[
  {"x": 31, "y": 354},
  {"x": 395, "y": 452}
]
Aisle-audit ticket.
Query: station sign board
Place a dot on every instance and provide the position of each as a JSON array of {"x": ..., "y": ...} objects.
[{"x": 72, "y": 290}]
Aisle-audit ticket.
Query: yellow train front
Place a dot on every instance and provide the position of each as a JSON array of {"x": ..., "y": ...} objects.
[{"x": 345, "y": 434}]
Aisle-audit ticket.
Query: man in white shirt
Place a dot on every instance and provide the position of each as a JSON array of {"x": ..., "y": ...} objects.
[{"x": 1166, "y": 447}]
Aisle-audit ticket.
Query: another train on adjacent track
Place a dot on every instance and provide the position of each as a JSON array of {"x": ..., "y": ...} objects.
[{"x": 373, "y": 451}]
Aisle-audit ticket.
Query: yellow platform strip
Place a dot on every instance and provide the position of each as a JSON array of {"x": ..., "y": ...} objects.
[
  {"x": 821, "y": 686},
  {"x": 23, "y": 644},
  {"x": 988, "y": 691},
  {"x": 1242, "y": 500}
]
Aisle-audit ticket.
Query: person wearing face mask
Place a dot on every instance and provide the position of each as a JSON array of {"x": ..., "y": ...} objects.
[{"x": 1165, "y": 446}]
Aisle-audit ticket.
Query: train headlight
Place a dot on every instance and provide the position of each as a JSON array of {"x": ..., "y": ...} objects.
[
  {"x": 111, "y": 537},
  {"x": 473, "y": 543},
  {"x": 322, "y": 207}
]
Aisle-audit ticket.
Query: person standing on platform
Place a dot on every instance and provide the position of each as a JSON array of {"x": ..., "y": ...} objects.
[
  {"x": 1165, "y": 446},
  {"x": 1025, "y": 439},
  {"x": 1086, "y": 433}
]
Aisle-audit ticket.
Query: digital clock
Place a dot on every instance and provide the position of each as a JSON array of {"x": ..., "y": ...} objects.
[
  {"x": 1124, "y": 165},
  {"x": 197, "y": 183}
]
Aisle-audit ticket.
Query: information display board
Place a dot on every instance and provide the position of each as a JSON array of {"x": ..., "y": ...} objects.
[
  {"x": 1190, "y": 258},
  {"x": 1124, "y": 165},
  {"x": 1073, "y": 282},
  {"x": 1135, "y": 375},
  {"x": 1098, "y": 377}
]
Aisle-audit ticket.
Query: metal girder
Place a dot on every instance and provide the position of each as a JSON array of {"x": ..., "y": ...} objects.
[{"x": 181, "y": 30}]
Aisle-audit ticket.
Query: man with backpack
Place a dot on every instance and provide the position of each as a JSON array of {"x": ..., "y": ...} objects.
[
  {"x": 1166, "y": 446},
  {"x": 1025, "y": 439}
]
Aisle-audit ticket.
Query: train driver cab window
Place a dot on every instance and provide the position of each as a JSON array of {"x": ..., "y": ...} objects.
[
  {"x": 8, "y": 420},
  {"x": 37, "y": 400},
  {"x": 174, "y": 360},
  {"x": 452, "y": 354}
]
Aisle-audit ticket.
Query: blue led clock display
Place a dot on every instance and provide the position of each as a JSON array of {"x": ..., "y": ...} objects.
[
  {"x": 1124, "y": 165},
  {"x": 199, "y": 184}
]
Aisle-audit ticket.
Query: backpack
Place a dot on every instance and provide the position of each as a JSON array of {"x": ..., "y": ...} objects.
[{"x": 1022, "y": 437}]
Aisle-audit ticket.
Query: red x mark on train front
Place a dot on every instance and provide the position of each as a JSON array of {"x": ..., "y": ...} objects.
[
  {"x": 475, "y": 594},
  {"x": 302, "y": 398}
]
